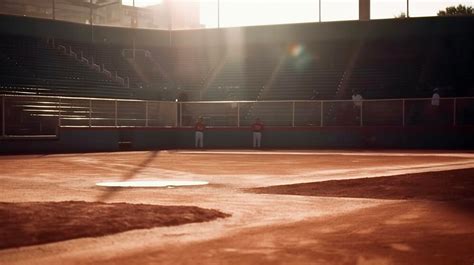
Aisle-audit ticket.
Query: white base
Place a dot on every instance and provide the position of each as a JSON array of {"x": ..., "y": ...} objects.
[{"x": 152, "y": 183}]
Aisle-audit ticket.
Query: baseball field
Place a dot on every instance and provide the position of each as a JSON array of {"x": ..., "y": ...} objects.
[{"x": 260, "y": 207}]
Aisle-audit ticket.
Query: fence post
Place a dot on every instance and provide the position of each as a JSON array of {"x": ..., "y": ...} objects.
[
  {"x": 146, "y": 113},
  {"x": 90, "y": 112},
  {"x": 116, "y": 114},
  {"x": 238, "y": 115},
  {"x": 59, "y": 112},
  {"x": 3, "y": 116},
  {"x": 403, "y": 112},
  {"x": 180, "y": 114},
  {"x": 322, "y": 114},
  {"x": 293, "y": 115},
  {"x": 454, "y": 112}
]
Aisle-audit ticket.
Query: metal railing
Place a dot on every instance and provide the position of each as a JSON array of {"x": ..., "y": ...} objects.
[
  {"x": 326, "y": 113},
  {"x": 42, "y": 115}
]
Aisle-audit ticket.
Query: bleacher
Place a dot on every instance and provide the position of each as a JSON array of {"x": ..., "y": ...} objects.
[
  {"x": 387, "y": 69},
  {"x": 382, "y": 69},
  {"x": 189, "y": 68},
  {"x": 244, "y": 72},
  {"x": 104, "y": 54},
  {"x": 310, "y": 71},
  {"x": 33, "y": 66}
]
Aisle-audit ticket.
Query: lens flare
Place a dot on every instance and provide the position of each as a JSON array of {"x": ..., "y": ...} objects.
[{"x": 296, "y": 50}]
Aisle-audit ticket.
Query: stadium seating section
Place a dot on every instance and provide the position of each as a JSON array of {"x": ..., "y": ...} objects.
[
  {"x": 325, "y": 69},
  {"x": 33, "y": 66}
]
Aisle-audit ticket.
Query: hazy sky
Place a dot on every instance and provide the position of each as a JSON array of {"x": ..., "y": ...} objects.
[{"x": 255, "y": 12}]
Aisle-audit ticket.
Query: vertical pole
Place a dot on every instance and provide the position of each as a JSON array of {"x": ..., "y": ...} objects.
[
  {"x": 361, "y": 113},
  {"x": 90, "y": 12},
  {"x": 293, "y": 115},
  {"x": 3, "y": 116},
  {"x": 134, "y": 16},
  {"x": 146, "y": 114},
  {"x": 364, "y": 10},
  {"x": 90, "y": 20},
  {"x": 454, "y": 112},
  {"x": 320, "y": 10},
  {"x": 403, "y": 113},
  {"x": 116, "y": 114},
  {"x": 322, "y": 114},
  {"x": 59, "y": 112},
  {"x": 180, "y": 114},
  {"x": 90, "y": 112},
  {"x": 54, "y": 9},
  {"x": 218, "y": 14},
  {"x": 408, "y": 8},
  {"x": 170, "y": 23},
  {"x": 238, "y": 115}
]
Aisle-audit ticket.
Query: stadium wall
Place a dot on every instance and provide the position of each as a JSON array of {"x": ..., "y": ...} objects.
[
  {"x": 112, "y": 139},
  {"x": 46, "y": 28}
]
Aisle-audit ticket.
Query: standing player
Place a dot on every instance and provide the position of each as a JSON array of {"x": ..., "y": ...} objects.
[
  {"x": 435, "y": 99},
  {"x": 199, "y": 134},
  {"x": 257, "y": 128},
  {"x": 435, "y": 111},
  {"x": 357, "y": 99}
]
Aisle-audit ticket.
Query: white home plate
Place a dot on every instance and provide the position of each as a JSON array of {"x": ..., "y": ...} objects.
[{"x": 152, "y": 183}]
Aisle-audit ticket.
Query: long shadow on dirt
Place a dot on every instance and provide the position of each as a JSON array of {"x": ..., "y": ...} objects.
[{"x": 111, "y": 191}]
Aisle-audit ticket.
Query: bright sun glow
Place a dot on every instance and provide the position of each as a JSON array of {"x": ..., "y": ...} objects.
[
  {"x": 261, "y": 12},
  {"x": 141, "y": 3},
  {"x": 255, "y": 12}
]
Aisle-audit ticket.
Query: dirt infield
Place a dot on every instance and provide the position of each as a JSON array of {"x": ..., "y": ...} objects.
[
  {"x": 444, "y": 185},
  {"x": 431, "y": 233},
  {"x": 31, "y": 223},
  {"x": 312, "y": 207}
]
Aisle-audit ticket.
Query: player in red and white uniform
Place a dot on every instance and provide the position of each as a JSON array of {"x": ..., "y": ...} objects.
[
  {"x": 257, "y": 128},
  {"x": 199, "y": 134}
]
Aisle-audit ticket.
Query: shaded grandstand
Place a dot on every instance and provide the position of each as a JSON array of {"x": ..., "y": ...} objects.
[{"x": 289, "y": 75}]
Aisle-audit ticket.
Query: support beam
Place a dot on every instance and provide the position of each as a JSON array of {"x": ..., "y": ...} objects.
[
  {"x": 408, "y": 8},
  {"x": 364, "y": 10},
  {"x": 320, "y": 11},
  {"x": 54, "y": 9}
]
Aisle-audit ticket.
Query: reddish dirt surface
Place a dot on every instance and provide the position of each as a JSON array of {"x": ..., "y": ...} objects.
[
  {"x": 444, "y": 185},
  {"x": 128, "y": 165},
  {"x": 23, "y": 224},
  {"x": 397, "y": 233},
  {"x": 353, "y": 223}
]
